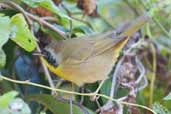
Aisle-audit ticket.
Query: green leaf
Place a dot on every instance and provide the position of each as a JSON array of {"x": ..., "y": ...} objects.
[
  {"x": 159, "y": 109},
  {"x": 52, "y": 33},
  {"x": 164, "y": 44},
  {"x": 18, "y": 106},
  {"x": 1, "y": 14},
  {"x": 168, "y": 97},
  {"x": 8, "y": 104},
  {"x": 56, "y": 106},
  {"x": 7, "y": 98},
  {"x": 21, "y": 33},
  {"x": 2, "y": 58},
  {"x": 47, "y": 4},
  {"x": 106, "y": 88},
  {"x": 4, "y": 30},
  {"x": 112, "y": 12},
  {"x": 82, "y": 30}
]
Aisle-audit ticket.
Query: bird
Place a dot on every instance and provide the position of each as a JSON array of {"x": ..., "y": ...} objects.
[{"x": 88, "y": 59}]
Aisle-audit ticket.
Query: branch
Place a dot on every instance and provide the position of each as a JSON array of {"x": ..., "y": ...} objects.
[{"x": 74, "y": 93}]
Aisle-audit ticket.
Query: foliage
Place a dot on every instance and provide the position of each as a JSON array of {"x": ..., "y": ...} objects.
[
  {"x": 26, "y": 26},
  {"x": 159, "y": 109},
  {"x": 10, "y": 104},
  {"x": 58, "y": 107},
  {"x": 168, "y": 97}
]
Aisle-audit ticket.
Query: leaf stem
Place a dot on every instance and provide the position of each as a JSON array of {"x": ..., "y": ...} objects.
[{"x": 153, "y": 78}]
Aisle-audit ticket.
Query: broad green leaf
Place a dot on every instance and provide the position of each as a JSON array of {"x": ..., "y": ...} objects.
[
  {"x": 4, "y": 30},
  {"x": 82, "y": 30},
  {"x": 52, "y": 33},
  {"x": 112, "y": 12},
  {"x": 156, "y": 7},
  {"x": 164, "y": 44},
  {"x": 57, "y": 106},
  {"x": 21, "y": 34},
  {"x": 106, "y": 88},
  {"x": 168, "y": 97},
  {"x": 160, "y": 109},
  {"x": 7, "y": 98},
  {"x": 8, "y": 104},
  {"x": 47, "y": 4},
  {"x": 18, "y": 106},
  {"x": 2, "y": 58},
  {"x": 1, "y": 14}
]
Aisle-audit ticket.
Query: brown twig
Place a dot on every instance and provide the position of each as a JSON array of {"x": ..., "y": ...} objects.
[
  {"x": 3, "y": 5},
  {"x": 49, "y": 19}
]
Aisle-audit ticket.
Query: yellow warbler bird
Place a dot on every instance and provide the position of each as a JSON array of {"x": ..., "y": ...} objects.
[{"x": 87, "y": 60}]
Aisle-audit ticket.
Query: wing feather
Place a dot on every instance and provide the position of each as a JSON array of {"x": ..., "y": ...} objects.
[{"x": 87, "y": 48}]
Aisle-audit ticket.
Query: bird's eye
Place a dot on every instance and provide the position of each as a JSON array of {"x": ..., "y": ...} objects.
[{"x": 45, "y": 53}]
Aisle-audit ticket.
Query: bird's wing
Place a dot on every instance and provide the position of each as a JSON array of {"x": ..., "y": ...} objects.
[
  {"x": 79, "y": 50},
  {"x": 91, "y": 70},
  {"x": 76, "y": 51}
]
